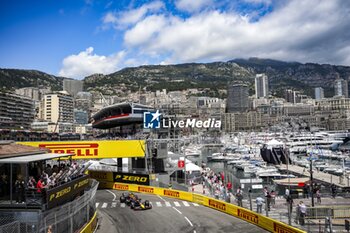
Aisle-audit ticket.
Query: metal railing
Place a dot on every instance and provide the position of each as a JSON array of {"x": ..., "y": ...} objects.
[
  {"x": 68, "y": 218},
  {"x": 329, "y": 211}
]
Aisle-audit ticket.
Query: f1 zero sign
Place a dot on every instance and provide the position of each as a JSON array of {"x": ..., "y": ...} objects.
[
  {"x": 79, "y": 149},
  {"x": 131, "y": 178}
]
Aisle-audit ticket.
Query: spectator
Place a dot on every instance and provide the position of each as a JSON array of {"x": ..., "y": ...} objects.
[
  {"x": 265, "y": 191},
  {"x": 273, "y": 198},
  {"x": 268, "y": 201},
  {"x": 302, "y": 210},
  {"x": 318, "y": 196},
  {"x": 306, "y": 191},
  {"x": 48, "y": 170},
  {"x": 239, "y": 196},
  {"x": 334, "y": 190},
  {"x": 297, "y": 214},
  {"x": 31, "y": 183},
  {"x": 259, "y": 203},
  {"x": 228, "y": 197},
  {"x": 19, "y": 189},
  {"x": 290, "y": 203},
  {"x": 287, "y": 193},
  {"x": 40, "y": 185},
  {"x": 217, "y": 193},
  {"x": 229, "y": 186}
]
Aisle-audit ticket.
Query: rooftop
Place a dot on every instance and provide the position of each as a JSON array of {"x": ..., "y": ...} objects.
[{"x": 11, "y": 149}]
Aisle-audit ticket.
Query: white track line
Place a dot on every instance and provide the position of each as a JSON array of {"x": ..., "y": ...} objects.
[
  {"x": 115, "y": 196},
  {"x": 177, "y": 204},
  {"x": 122, "y": 205},
  {"x": 104, "y": 205},
  {"x": 161, "y": 198},
  {"x": 195, "y": 204},
  {"x": 159, "y": 204},
  {"x": 177, "y": 210},
  {"x": 97, "y": 204},
  {"x": 189, "y": 221},
  {"x": 186, "y": 203},
  {"x": 114, "y": 204},
  {"x": 167, "y": 204}
]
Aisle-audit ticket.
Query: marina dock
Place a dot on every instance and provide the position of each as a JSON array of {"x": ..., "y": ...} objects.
[{"x": 339, "y": 181}]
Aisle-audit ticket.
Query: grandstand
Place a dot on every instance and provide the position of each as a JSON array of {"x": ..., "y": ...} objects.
[{"x": 29, "y": 181}]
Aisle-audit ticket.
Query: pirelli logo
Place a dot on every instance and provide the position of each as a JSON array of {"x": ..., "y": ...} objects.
[
  {"x": 145, "y": 190},
  {"x": 171, "y": 193},
  {"x": 250, "y": 217},
  {"x": 121, "y": 186},
  {"x": 79, "y": 149},
  {"x": 281, "y": 229},
  {"x": 217, "y": 205}
]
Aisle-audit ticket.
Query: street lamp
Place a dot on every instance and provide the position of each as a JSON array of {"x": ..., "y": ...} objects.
[{"x": 311, "y": 182}]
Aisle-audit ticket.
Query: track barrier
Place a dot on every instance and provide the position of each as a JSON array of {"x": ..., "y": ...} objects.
[{"x": 262, "y": 221}]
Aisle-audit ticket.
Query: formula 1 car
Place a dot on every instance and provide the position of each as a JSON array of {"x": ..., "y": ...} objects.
[
  {"x": 138, "y": 205},
  {"x": 128, "y": 198}
]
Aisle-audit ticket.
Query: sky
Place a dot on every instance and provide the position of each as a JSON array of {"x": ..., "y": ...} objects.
[{"x": 77, "y": 38}]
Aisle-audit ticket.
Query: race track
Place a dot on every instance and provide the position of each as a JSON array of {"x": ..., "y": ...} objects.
[{"x": 167, "y": 215}]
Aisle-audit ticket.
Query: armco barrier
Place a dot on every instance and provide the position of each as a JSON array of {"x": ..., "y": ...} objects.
[
  {"x": 236, "y": 211},
  {"x": 91, "y": 225}
]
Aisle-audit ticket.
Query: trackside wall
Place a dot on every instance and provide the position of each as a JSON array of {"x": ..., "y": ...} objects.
[{"x": 236, "y": 211}]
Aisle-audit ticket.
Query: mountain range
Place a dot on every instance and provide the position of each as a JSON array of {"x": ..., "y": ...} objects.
[{"x": 212, "y": 77}]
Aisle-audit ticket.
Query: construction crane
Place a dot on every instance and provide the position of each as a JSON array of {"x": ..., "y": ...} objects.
[{"x": 104, "y": 100}]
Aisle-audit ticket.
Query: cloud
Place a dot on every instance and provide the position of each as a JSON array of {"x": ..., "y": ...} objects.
[
  {"x": 192, "y": 5},
  {"x": 123, "y": 19},
  {"x": 144, "y": 31},
  {"x": 306, "y": 31},
  {"x": 86, "y": 63}
]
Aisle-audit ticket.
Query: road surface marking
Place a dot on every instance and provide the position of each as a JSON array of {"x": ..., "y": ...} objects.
[
  {"x": 97, "y": 204},
  {"x": 189, "y": 221},
  {"x": 194, "y": 231},
  {"x": 176, "y": 204},
  {"x": 122, "y": 205},
  {"x": 195, "y": 204},
  {"x": 177, "y": 210},
  {"x": 161, "y": 198},
  {"x": 186, "y": 203},
  {"x": 167, "y": 204},
  {"x": 114, "y": 204},
  {"x": 104, "y": 205},
  {"x": 115, "y": 196},
  {"x": 159, "y": 204}
]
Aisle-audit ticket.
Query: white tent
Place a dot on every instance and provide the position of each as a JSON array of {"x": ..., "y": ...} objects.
[
  {"x": 274, "y": 142},
  {"x": 190, "y": 166}
]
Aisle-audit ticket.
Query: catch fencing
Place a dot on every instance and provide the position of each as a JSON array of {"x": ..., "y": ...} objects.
[{"x": 68, "y": 218}]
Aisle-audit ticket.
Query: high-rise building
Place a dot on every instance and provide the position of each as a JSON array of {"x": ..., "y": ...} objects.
[
  {"x": 237, "y": 98},
  {"x": 80, "y": 117},
  {"x": 57, "y": 107},
  {"x": 72, "y": 86},
  {"x": 319, "y": 93},
  {"x": 16, "y": 112},
  {"x": 294, "y": 97},
  {"x": 341, "y": 88},
  {"x": 83, "y": 101},
  {"x": 261, "y": 86}
]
